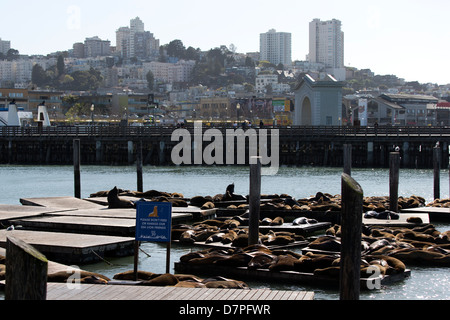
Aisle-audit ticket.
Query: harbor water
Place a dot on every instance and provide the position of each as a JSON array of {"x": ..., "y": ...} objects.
[{"x": 425, "y": 283}]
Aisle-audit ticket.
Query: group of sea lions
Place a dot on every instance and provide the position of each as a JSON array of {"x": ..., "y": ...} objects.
[
  {"x": 180, "y": 280},
  {"x": 422, "y": 245},
  {"x": 322, "y": 202},
  {"x": 228, "y": 232},
  {"x": 260, "y": 257},
  {"x": 144, "y": 279}
]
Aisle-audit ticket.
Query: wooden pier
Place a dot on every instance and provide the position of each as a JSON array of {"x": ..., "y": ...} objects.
[
  {"x": 299, "y": 145},
  {"x": 58, "y": 291}
]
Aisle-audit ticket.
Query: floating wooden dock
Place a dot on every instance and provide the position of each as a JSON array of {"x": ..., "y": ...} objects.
[
  {"x": 401, "y": 222},
  {"x": 71, "y": 249},
  {"x": 435, "y": 213},
  {"x": 58, "y": 291},
  {"x": 292, "y": 277}
]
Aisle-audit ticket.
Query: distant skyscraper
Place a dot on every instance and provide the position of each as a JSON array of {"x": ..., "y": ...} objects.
[
  {"x": 326, "y": 43},
  {"x": 276, "y": 47}
]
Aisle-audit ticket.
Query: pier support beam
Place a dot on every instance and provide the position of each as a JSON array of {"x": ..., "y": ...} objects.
[
  {"x": 76, "y": 167},
  {"x": 130, "y": 152},
  {"x": 406, "y": 157},
  {"x": 348, "y": 159},
  {"x": 370, "y": 154},
  {"x": 437, "y": 171},
  {"x": 162, "y": 155},
  {"x": 394, "y": 164},
  {"x": 254, "y": 200},
  {"x": 98, "y": 152}
]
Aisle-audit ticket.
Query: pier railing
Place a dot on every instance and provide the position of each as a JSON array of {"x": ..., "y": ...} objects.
[{"x": 165, "y": 131}]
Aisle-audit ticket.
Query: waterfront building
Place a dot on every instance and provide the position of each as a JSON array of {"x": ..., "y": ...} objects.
[
  {"x": 318, "y": 102},
  {"x": 326, "y": 45},
  {"x": 276, "y": 47}
]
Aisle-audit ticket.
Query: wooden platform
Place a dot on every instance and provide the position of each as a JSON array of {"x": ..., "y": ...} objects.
[
  {"x": 85, "y": 225},
  {"x": 58, "y": 291},
  {"x": 435, "y": 213},
  {"x": 12, "y": 212},
  {"x": 71, "y": 249},
  {"x": 60, "y": 202},
  {"x": 401, "y": 222}
]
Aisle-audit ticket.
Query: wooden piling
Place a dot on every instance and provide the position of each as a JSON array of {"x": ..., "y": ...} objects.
[
  {"x": 254, "y": 200},
  {"x": 351, "y": 224},
  {"x": 76, "y": 167},
  {"x": 140, "y": 183},
  {"x": 394, "y": 165},
  {"x": 436, "y": 171},
  {"x": 26, "y": 272}
]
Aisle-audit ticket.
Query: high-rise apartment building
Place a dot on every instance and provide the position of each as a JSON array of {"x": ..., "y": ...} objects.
[
  {"x": 4, "y": 46},
  {"x": 326, "y": 43},
  {"x": 96, "y": 47},
  {"x": 276, "y": 47},
  {"x": 134, "y": 41}
]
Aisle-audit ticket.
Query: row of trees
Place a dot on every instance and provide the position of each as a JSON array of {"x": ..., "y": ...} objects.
[{"x": 56, "y": 77}]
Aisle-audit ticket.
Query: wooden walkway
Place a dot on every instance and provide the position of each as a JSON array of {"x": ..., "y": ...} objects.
[{"x": 60, "y": 291}]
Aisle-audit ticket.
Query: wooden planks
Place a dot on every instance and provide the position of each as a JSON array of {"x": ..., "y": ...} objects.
[
  {"x": 88, "y": 225},
  {"x": 12, "y": 212},
  {"x": 58, "y": 291},
  {"x": 60, "y": 202},
  {"x": 73, "y": 248}
]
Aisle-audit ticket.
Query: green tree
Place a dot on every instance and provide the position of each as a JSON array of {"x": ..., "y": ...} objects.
[
  {"x": 176, "y": 49},
  {"x": 39, "y": 76},
  {"x": 150, "y": 80},
  {"x": 60, "y": 65}
]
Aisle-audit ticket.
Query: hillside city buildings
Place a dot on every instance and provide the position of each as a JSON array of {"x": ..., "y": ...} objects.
[{"x": 284, "y": 92}]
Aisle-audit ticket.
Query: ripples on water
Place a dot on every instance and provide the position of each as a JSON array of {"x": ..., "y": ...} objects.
[{"x": 29, "y": 181}]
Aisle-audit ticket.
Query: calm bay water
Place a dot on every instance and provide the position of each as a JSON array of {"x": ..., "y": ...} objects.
[{"x": 49, "y": 181}]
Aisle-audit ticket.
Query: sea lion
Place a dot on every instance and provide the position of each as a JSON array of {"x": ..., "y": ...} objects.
[
  {"x": 326, "y": 243},
  {"x": 241, "y": 241},
  {"x": 187, "y": 236},
  {"x": 283, "y": 263},
  {"x": 162, "y": 280},
  {"x": 229, "y": 284},
  {"x": 208, "y": 205},
  {"x": 261, "y": 261},
  {"x": 129, "y": 275},
  {"x": 192, "y": 255},
  {"x": 236, "y": 260},
  {"x": 278, "y": 221},
  {"x": 229, "y": 237},
  {"x": 114, "y": 202},
  {"x": 64, "y": 276},
  {"x": 189, "y": 284},
  {"x": 216, "y": 237}
]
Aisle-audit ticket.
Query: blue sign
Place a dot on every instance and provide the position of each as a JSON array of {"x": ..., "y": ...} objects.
[{"x": 153, "y": 221}]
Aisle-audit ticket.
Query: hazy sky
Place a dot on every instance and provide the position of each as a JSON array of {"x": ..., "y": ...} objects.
[{"x": 410, "y": 39}]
